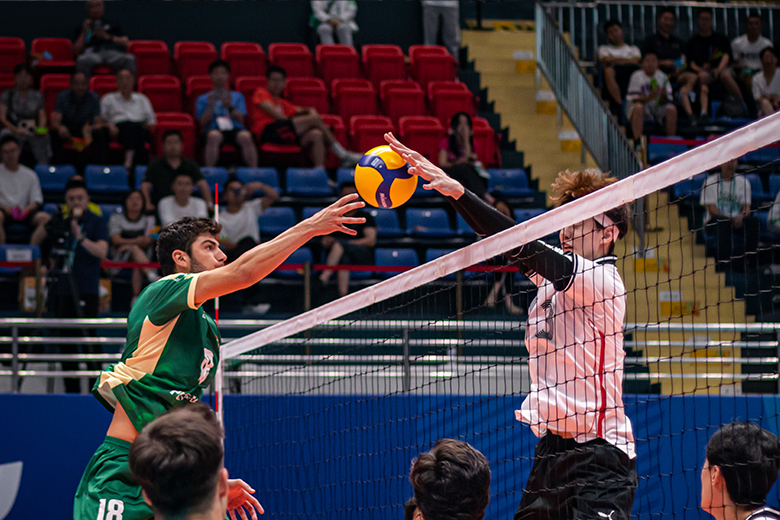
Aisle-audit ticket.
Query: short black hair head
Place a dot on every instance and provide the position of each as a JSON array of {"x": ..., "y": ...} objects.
[
  {"x": 275, "y": 68},
  {"x": 219, "y": 63}
]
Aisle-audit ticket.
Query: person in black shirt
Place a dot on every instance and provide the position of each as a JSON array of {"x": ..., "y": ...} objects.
[
  {"x": 665, "y": 45},
  {"x": 76, "y": 114},
  {"x": 708, "y": 54},
  {"x": 99, "y": 41}
]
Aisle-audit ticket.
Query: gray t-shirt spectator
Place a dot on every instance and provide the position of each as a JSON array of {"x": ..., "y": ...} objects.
[{"x": 19, "y": 107}]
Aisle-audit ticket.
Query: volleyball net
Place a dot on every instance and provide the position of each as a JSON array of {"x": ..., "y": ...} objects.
[{"x": 324, "y": 412}]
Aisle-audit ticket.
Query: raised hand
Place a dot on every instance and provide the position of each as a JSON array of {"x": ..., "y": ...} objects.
[
  {"x": 240, "y": 498},
  {"x": 333, "y": 217},
  {"x": 422, "y": 167}
]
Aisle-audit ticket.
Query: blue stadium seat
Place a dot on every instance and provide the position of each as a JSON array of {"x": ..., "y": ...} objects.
[
  {"x": 757, "y": 193},
  {"x": 774, "y": 185},
  {"x": 428, "y": 223},
  {"x": 761, "y": 156},
  {"x": 215, "y": 175},
  {"x": 275, "y": 220},
  {"x": 386, "y": 222},
  {"x": 521, "y": 215},
  {"x": 766, "y": 234},
  {"x": 308, "y": 182},
  {"x": 50, "y": 208},
  {"x": 110, "y": 209},
  {"x": 463, "y": 227},
  {"x": 53, "y": 178},
  {"x": 106, "y": 179},
  {"x": 344, "y": 175},
  {"x": 299, "y": 256},
  {"x": 17, "y": 253},
  {"x": 512, "y": 182},
  {"x": 308, "y": 212},
  {"x": 267, "y": 176},
  {"x": 690, "y": 187},
  {"x": 395, "y": 257},
  {"x": 433, "y": 254},
  {"x": 140, "y": 174},
  {"x": 660, "y": 152}
]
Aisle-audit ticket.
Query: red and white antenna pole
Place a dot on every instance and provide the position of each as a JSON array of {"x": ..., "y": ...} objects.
[{"x": 218, "y": 377}]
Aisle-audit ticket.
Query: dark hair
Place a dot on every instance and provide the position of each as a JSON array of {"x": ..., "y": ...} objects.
[
  {"x": 749, "y": 459},
  {"x": 665, "y": 10},
  {"x": 219, "y": 63},
  {"x": 767, "y": 49},
  {"x": 703, "y": 10},
  {"x": 179, "y": 236},
  {"x": 23, "y": 67},
  {"x": 275, "y": 68},
  {"x": 648, "y": 52},
  {"x": 177, "y": 459},
  {"x": 754, "y": 14},
  {"x": 73, "y": 184},
  {"x": 610, "y": 23},
  {"x": 451, "y": 482},
  {"x": 170, "y": 132},
  {"x": 452, "y": 141},
  {"x": 231, "y": 179},
  {"x": 9, "y": 139},
  {"x": 409, "y": 508}
]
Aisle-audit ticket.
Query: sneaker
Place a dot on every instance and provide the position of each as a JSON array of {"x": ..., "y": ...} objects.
[
  {"x": 350, "y": 160},
  {"x": 259, "y": 309}
]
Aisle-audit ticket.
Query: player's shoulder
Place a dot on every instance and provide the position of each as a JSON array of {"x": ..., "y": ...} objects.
[
  {"x": 764, "y": 513},
  {"x": 163, "y": 284}
]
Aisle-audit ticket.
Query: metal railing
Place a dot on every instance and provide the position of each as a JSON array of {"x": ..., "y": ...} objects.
[{"x": 584, "y": 21}]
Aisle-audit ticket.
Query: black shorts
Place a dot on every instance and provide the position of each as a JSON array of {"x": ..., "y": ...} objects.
[
  {"x": 355, "y": 254},
  {"x": 228, "y": 136},
  {"x": 593, "y": 480},
  {"x": 26, "y": 221},
  {"x": 281, "y": 131}
]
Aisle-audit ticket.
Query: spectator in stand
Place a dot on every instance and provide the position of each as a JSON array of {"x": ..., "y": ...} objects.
[
  {"x": 501, "y": 287},
  {"x": 163, "y": 170},
  {"x": 131, "y": 240},
  {"x": 222, "y": 113},
  {"x": 708, "y": 54},
  {"x": 334, "y": 17},
  {"x": 278, "y": 121},
  {"x": 444, "y": 16},
  {"x": 773, "y": 216},
  {"x": 667, "y": 46},
  {"x": 76, "y": 115},
  {"x": 129, "y": 116},
  {"x": 649, "y": 98},
  {"x": 459, "y": 157},
  {"x": 354, "y": 250},
  {"x": 747, "y": 53},
  {"x": 766, "y": 84},
  {"x": 22, "y": 114},
  {"x": 727, "y": 198},
  {"x": 618, "y": 60},
  {"x": 20, "y": 194},
  {"x": 181, "y": 203},
  {"x": 100, "y": 41}
]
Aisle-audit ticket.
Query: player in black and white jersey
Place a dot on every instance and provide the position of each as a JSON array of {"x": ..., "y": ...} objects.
[
  {"x": 740, "y": 467},
  {"x": 584, "y": 464}
]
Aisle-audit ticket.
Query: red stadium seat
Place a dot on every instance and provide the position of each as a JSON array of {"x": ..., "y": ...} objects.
[
  {"x": 337, "y": 61},
  {"x": 51, "y": 85},
  {"x": 401, "y": 97},
  {"x": 434, "y": 87},
  {"x": 294, "y": 58},
  {"x": 163, "y": 91},
  {"x": 431, "y": 63},
  {"x": 12, "y": 53},
  {"x": 424, "y": 134},
  {"x": 308, "y": 92},
  {"x": 445, "y": 103},
  {"x": 193, "y": 58},
  {"x": 6, "y": 82},
  {"x": 353, "y": 97},
  {"x": 336, "y": 125},
  {"x": 151, "y": 57},
  {"x": 245, "y": 58},
  {"x": 61, "y": 51},
  {"x": 367, "y": 132},
  {"x": 383, "y": 62},
  {"x": 282, "y": 155},
  {"x": 196, "y": 86},
  {"x": 486, "y": 143},
  {"x": 175, "y": 120},
  {"x": 248, "y": 84},
  {"x": 102, "y": 84}
]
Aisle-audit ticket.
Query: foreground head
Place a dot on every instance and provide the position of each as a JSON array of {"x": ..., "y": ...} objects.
[
  {"x": 234, "y": 191},
  {"x": 741, "y": 465},
  {"x": 125, "y": 81},
  {"x": 276, "y": 80},
  {"x": 666, "y": 20},
  {"x": 595, "y": 237},
  {"x": 23, "y": 76},
  {"x": 76, "y": 196},
  {"x": 461, "y": 122},
  {"x": 754, "y": 25},
  {"x": 614, "y": 31},
  {"x": 190, "y": 245},
  {"x": 95, "y": 9},
  {"x": 182, "y": 186},
  {"x": 768, "y": 58},
  {"x": 133, "y": 204},
  {"x": 178, "y": 461},
  {"x": 650, "y": 63},
  {"x": 451, "y": 482},
  {"x": 219, "y": 71},
  {"x": 11, "y": 150},
  {"x": 79, "y": 84},
  {"x": 172, "y": 143}
]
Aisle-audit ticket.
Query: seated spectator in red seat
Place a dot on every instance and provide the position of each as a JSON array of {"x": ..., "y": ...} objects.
[
  {"x": 649, "y": 98},
  {"x": 354, "y": 250},
  {"x": 222, "y": 113},
  {"x": 766, "y": 84},
  {"x": 163, "y": 170},
  {"x": 76, "y": 114},
  {"x": 459, "y": 157},
  {"x": 618, "y": 59},
  {"x": 129, "y": 116},
  {"x": 20, "y": 193},
  {"x": 334, "y": 17},
  {"x": 22, "y": 114},
  {"x": 278, "y": 121},
  {"x": 181, "y": 203},
  {"x": 100, "y": 41},
  {"x": 131, "y": 240}
]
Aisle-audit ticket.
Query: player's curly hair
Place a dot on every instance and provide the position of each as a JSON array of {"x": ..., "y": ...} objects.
[
  {"x": 451, "y": 482},
  {"x": 180, "y": 235},
  {"x": 570, "y": 186}
]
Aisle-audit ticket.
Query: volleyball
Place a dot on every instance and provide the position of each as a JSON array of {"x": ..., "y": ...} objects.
[{"x": 382, "y": 178}]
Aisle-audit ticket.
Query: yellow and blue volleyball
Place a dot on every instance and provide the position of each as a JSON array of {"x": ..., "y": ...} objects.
[{"x": 382, "y": 178}]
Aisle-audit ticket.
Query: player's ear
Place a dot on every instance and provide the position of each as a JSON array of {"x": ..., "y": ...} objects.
[
  {"x": 181, "y": 259},
  {"x": 222, "y": 483},
  {"x": 609, "y": 236},
  {"x": 716, "y": 478}
]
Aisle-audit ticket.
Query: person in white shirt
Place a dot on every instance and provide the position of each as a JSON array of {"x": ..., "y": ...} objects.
[
  {"x": 584, "y": 464},
  {"x": 442, "y": 15},
  {"x": 131, "y": 241},
  {"x": 129, "y": 116},
  {"x": 773, "y": 217},
  {"x": 240, "y": 230},
  {"x": 181, "y": 203},
  {"x": 746, "y": 49},
  {"x": 766, "y": 84},
  {"x": 20, "y": 194},
  {"x": 649, "y": 95},
  {"x": 337, "y": 17},
  {"x": 726, "y": 198},
  {"x": 618, "y": 59}
]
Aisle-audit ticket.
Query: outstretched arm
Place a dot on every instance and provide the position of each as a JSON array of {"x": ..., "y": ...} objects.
[{"x": 240, "y": 498}]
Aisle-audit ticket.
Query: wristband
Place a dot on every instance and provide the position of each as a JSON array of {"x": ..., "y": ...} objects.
[{"x": 42, "y": 130}]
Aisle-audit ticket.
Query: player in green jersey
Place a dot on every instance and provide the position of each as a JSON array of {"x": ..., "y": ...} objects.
[{"x": 172, "y": 347}]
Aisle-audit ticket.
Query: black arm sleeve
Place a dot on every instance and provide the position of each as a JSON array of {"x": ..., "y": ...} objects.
[{"x": 535, "y": 257}]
